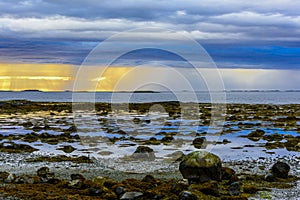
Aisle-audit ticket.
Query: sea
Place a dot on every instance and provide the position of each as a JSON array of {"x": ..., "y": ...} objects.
[{"x": 242, "y": 97}]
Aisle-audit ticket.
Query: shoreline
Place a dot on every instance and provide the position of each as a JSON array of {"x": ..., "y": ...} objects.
[{"x": 47, "y": 131}]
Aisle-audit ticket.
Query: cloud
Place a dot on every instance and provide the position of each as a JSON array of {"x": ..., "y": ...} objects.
[
  {"x": 211, "y": 20},
  {"x": 237, "y": 34}
]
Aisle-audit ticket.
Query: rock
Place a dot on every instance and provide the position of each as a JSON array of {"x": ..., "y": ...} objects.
[
  {"x": 198, "y": 142},
  {"x": 43, "y": 171},
  {"x": 47, "y": 178},
  {"x": 144, "y": 153},
  {"x": 280, "y": 170},
  {"x": 227, "y": 173},
  {"x": 75, "y": 184},
  {"x": 67, "y": 149},
  {"x": 25, "y": 179},
  {"x": 77, "y": 177},
  {"x": 3, "y": 176},
  {"x": 201, "y": 166},
  {"x": 10, "y": 179},
  {"x": 95, "y": 191},
  {"x": 119, "y": 190},
  {"x": 235, "y": 189},
  {"x": 167, "y": 139},
  {"x": 255, "y": 135},
  {"x": 270, "y": 177},
  {"x": 187, "y": 195},
  {"x": 179, "y": 187},
  {"x": 136, "y": 120},
  {"x": 11, "y": 147},
  {"x": 131, "y": 195},
  {"x": 148, "y": 178},
  {"x": 72, "y": 129}
]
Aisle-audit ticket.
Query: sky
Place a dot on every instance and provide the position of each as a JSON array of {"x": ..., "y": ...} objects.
[{"x": 254, "y": 44}]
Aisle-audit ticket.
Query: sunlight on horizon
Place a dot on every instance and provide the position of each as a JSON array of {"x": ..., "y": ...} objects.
[{"x": 61, "y": 77}]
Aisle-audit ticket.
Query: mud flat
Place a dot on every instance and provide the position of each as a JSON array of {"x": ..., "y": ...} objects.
[{"x": 104, "y": 151}]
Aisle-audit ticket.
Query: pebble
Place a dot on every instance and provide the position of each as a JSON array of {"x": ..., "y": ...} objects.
[
  {"x": 187, "y": 195},
  {"x": 131, "y": 195},
  {"x": 235, "y": 189}
]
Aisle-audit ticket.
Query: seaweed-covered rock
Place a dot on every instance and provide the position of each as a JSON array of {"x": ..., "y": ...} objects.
[
  {"x": 201, "y": 166},
  {"x": 256, "y": 133},
  {"x": 67, "y": 149},
  {"x": 280, "y": 170},
  {"x": 43, "y": 171},
  {"x": 11, "y": 147},
  {"x": 211, "y": 188},
  {"x": 3, "y": 176},
  {"x": 77, "y": 177},
  {"x": 227, "y": 173}
]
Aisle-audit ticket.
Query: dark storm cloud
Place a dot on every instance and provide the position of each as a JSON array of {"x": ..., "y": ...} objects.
[{"x": 254, "y": 20}]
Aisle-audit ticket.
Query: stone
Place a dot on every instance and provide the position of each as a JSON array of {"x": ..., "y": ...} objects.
[
  {"x": 178, "y": 187},
  {"x": 256, "y": 133},
  {"x": 198, "y": 142},
  {"x": 72, "y": 129},
  {"x": 131, "y": 195},
  {"x": 201, "y": 166},
  {"x": 47, "y": 178},
  {"x": 227, "y": 173},
  {"x": 11, "y": 147},
  {"x": 24, "y": 179},
  {"x": 234, "y": 189},
  {"x": 119, "y": 190},
  {"x": 187, "y": 195},
  {"x": 3, "y": 176},
  {"x": 75, "y": 184},
  {"x": 136, "y": 120},
  {"x": 270, "y": 177},
  {"x": 10, "y": 179},
  {"x": 95, "y": 191},
  {"x": 77, "y": 176},
  {"x": 280, "y": 169},
  {"x": 67, "y": 149},
  {"x": 143, "y": 153},
  {"x": 148, "y": 178},
  {"x": 43, "y": 171}
]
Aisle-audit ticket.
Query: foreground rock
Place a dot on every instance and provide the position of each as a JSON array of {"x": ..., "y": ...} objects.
[
  {"x": 201, "y": 166},
  {"x": 280, "y": 170}
]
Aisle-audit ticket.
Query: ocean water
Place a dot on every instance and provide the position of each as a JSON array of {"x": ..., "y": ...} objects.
[{"x": 244, "y": 97}]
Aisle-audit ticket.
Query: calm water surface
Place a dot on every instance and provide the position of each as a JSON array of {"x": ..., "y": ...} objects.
[{"x": 200, "y": 97}]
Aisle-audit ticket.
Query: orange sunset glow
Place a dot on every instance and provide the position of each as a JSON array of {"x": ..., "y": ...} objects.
[
  {"x": 55, "y": 77},
  {"x": 44, "y": 77}
]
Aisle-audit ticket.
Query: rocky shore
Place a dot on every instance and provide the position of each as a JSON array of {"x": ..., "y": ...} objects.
[{"x": 45, "y": 155}]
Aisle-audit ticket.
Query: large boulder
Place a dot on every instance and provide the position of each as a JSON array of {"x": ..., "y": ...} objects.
[
  {"x": 280, "y": 169},
  {"x": 201, "y": 166}
]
